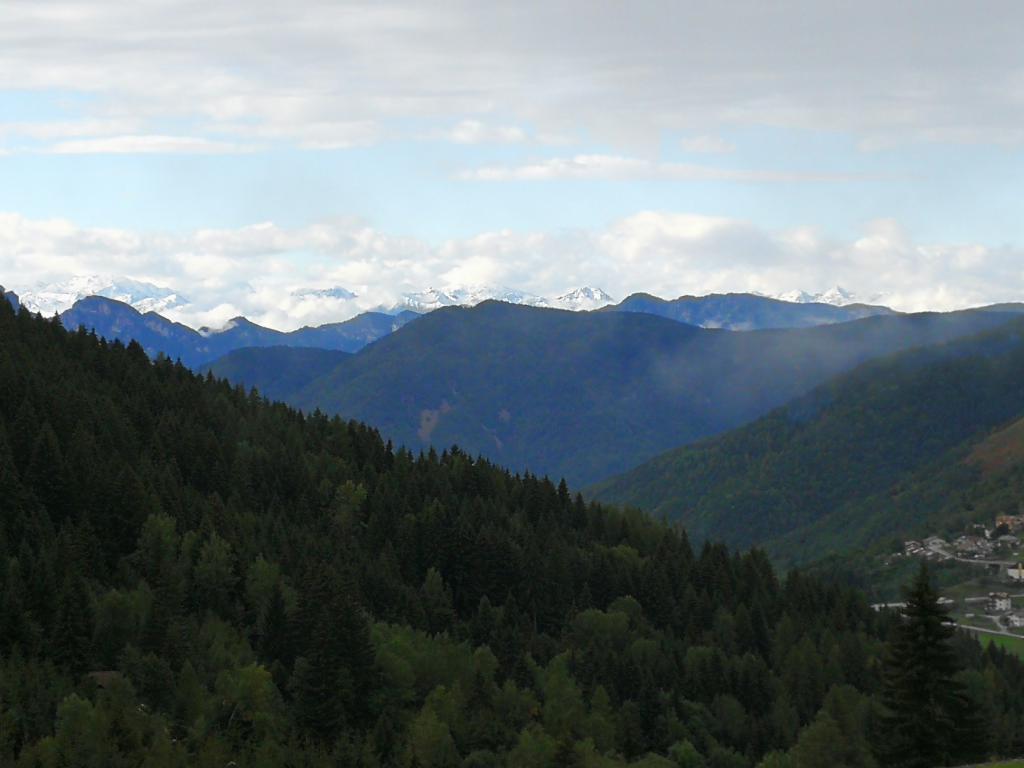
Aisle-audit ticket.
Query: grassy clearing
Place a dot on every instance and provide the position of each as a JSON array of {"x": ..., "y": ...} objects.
[{"x": 1014, "y": 645}]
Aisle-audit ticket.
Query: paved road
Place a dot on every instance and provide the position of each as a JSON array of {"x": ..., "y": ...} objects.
[
  {"x": 989, "y": 631},
  {"x": 1006, "y": 563}
]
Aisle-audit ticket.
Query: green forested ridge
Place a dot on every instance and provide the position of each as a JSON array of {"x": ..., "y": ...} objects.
[
  {"x": 870, "y": 456},
  {"x": 190, "y": 575},
  {"x": 586, "y": 395}
]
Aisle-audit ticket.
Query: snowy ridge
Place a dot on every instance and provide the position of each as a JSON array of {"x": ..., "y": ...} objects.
[
  {"x": 579, "y": 299},
  {"x": 334, "y": 292},
  {"x": 54, "y": 298},
  {"x": 583, "y": 299},
  {"x": 837, "y": 296},
  {"x": 464, "y": 296}
]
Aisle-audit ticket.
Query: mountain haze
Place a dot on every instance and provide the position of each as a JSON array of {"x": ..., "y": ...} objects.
[
  {"x": 282, "y": 370},
  {"x": 922, "y": 441},
  {"x": 745, "y": 311},
  {"x": 587, "y": 395}
]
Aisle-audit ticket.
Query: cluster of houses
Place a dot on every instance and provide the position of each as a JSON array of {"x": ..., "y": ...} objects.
[
  {"x": 981, "y": 544},
  {"x": 1000, "y": 605},
  {"x": 974, "y": 546},
  {"x": 932, "y": 548}
]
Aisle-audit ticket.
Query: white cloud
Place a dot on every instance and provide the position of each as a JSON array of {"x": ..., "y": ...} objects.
[
  {"x": 476, "y": 132},
  {"x": 618, "y": 168},
  {"x": 147, "y": 145},
  {"x": 707, "y": 145},
  {"x": 306, "y": 71},
  {"x": 257, "y": 270},
  {"x": 59, "y": 129}
]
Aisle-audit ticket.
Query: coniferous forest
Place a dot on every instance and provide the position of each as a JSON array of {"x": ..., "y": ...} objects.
[{"x": 193, "y": 576}]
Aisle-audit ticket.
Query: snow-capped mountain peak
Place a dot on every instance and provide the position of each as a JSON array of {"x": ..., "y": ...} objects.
[
  {"x": 334, "y": 292},
  {"x": 465, "y": 296},
  {"x": 52, "y": 298},
  {"x": 585, "y": 298},
  {"x": 837, "y": 296}
]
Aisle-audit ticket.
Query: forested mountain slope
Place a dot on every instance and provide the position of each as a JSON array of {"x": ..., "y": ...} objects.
[
  {"x": 191, "y": 576},
  {"x": 875, "y": 454},
  {"x": 586, "y": 395},
  {"x": 281, "y": 370}
]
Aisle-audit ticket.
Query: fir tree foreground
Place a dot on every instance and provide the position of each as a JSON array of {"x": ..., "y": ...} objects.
[
  {"x": 192, "y": 576},
  {"x": 928, "y": 718}
]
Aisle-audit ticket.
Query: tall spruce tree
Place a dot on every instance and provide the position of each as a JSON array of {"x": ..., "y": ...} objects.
[{"x": 928, "y": 719}]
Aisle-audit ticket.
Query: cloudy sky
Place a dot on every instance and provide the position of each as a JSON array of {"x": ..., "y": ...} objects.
[{"x": 239, "y": 151}]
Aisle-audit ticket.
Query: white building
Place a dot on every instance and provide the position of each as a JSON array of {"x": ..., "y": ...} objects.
[{"x": 998, "y": 602}]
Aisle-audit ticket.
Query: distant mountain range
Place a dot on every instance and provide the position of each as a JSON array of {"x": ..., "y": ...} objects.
[
  {"x": 583, "y": 395},
  {"x": 836, "y": 296},
  {"x": 744, "y": 311},
  {"x": 158, "y": 335},
  {"x": 127, "y": 318},
  {"x": 924, "y": 441},
  {"x": 580, "y": 299},
  {"x": 114, "y": 319},
  {"x": 53, "y": 298}
]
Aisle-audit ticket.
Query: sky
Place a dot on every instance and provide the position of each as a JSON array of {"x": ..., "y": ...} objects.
[{"x": 238, "y": 152}]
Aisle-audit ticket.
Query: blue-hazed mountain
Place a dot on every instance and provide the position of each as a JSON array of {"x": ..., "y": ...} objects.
[
  {"x": 11, "y": 296},
  {"x": 927, "y": 440},
  {"x": 115, "y": 320},
  {"x": 282, "y": 370},
  {"x": 587, "y": 395},
  {"x": 745, "y": 311}
]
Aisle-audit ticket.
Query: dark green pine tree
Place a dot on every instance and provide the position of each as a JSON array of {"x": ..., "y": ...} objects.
[
  {"x": 70, "y": 640},
  {"x": 928, "y": 720},
  {"x": 46, "y": 474},
  {"x": 335, "y": 677},
  {"x": 274, "y": 640}
]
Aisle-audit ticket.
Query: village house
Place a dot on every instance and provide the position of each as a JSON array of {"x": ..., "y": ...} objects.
[
  {"x": 998, "y": 602},
  {"x": 1008, "y": 541},
  {"x": 967, "y": 546},
  {"x": 912, "y": 548},
  {"x": 1013, "y": 523}
]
